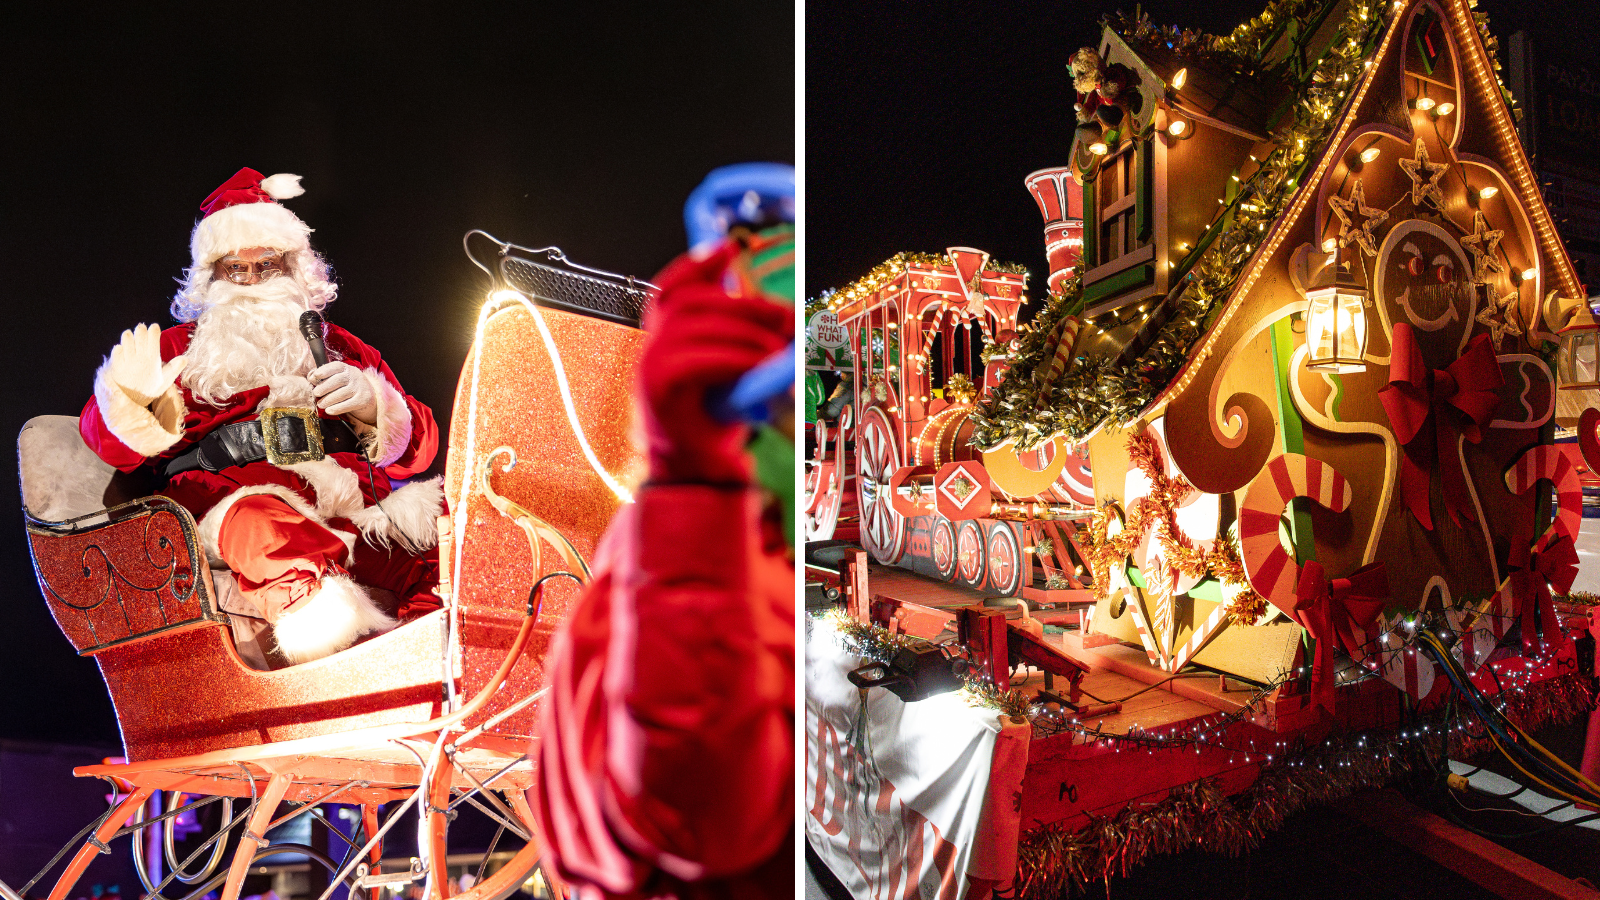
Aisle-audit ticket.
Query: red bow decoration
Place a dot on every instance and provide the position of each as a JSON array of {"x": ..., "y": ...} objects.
[
  {"x": 1551, "y": 561},
  {"x": 1334, "y": 611},
  {"x": 1428, "y": 407}
]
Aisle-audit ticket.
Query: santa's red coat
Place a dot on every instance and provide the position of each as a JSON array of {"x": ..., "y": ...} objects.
[
  {"x": 198, "y": 491},
  {"x": 666, "y": 758}
]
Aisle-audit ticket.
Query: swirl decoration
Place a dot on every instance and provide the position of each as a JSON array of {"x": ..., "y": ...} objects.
[
  {"x": 123, "y": 579},
  {"x": 537, "y": 530}
]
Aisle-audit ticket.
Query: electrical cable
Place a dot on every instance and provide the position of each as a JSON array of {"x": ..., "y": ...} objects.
[{"x": 1554, "y": 774}]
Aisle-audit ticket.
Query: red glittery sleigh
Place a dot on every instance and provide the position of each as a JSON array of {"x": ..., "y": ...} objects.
[{"x": 126, "y": 580}]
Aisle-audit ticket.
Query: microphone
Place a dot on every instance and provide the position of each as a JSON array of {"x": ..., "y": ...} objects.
[{"x": 311, "y": 330}]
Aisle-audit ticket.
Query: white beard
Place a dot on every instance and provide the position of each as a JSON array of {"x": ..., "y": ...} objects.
[{"x": 247, "y": 337}]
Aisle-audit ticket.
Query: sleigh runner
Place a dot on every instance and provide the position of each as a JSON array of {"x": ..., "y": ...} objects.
[{"x": 435, "y": 715}]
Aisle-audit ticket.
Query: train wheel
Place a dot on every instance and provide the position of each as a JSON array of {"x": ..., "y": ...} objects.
[
  {"x": 944, "y": 548},
  {"x": 1006, "y": 562},
  {"x": 883, "y": 531},
  {"x": 969, "y": 552},
  {"x": 824, "y": 487}
]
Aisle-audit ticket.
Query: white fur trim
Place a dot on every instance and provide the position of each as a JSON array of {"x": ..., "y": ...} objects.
[
  {"x": 247, "y": 225},
  {"x": 391, "y": 436},
  {"x": 338, "y": 490},
  {"x": 136, "y": 425},
  {"x": 211, "y": 524},
  {"x": 408, "y": 516},
  {"x": 282, "y": 186},
  {"x": 338, "y": 613}
]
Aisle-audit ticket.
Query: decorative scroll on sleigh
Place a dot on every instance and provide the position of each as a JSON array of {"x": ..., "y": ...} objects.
[{"x": 435, "y": 714}]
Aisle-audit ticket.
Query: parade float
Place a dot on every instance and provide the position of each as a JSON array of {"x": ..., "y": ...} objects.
[
  {"x": 429, "y": 724},
  {"x": 1269, "y": 475}
]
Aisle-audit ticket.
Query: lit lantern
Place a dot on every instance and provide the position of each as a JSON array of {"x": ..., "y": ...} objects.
[
  {"x": 1580, "y": 352},
  {"x": 1336, "y": 321},
  {"x": 1578, "y": 366}
]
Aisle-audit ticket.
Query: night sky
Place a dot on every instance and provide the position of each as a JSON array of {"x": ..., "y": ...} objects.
[
  {"x": 581, "y": 125},
  {"x": 922, "y": 119}
]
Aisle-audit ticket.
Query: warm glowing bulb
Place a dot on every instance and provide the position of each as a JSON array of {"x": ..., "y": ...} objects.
[
  {"x": 1098, "y": 148},
  {"x": 1179, "y": 79},
  {"x": 1177, "y": 127},
  {"x": 1444, "y": 109},
  {"x": 1424, "y": 103},
  {"x": 1370, "y": 154},
  {"x": 1329, "y": 244},
  {"x": 1486, "y": 193},
  {"x": 1529, "y": 274}
]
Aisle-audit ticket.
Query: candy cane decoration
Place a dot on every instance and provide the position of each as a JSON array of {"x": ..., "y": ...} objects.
[
  {"x": 1117, "y": 580},
  {"x": 1161, "y": 579},
  {"x": 1269, "y": 567},
  {"x": 1152, "y": 649},
  {"x": 1547, "y": 461},
  {"x": 1201, "y": 637},
  {"x": 1403, "y": 666},
  {"x": 1058, "y": 349}
]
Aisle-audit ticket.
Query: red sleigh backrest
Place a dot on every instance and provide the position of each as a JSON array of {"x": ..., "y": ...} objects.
[
  {"x": 559, "y": 400},
  {"x": 115, "y": 566}
]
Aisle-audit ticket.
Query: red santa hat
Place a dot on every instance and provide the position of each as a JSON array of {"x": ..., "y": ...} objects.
[{"x": 243, "y": 213}]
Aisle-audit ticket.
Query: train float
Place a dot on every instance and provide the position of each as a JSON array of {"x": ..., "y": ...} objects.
[{"x": 1284, "y": 437}]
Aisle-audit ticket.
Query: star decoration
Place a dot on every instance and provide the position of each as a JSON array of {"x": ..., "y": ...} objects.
[
  {"x": 1425, "y": 177},
  {"x": 1483, "y": 244},
  {"x": 1497, "y": 316},
  {"x": 1371, "y": 218}
]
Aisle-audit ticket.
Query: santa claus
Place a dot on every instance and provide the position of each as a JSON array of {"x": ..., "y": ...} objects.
[{"x": 286, "y": 464}]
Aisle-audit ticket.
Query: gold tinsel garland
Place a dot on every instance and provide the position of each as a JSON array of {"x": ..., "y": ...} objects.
[
  {"x": 1159, "y": 508},
  {"x": 1053, "y": 860},
  {"x": 892, "y": 268},
  {"x": 1097, "y": 391}
]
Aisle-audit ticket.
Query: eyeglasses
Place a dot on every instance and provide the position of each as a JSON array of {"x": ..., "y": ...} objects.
[{"x": 241, "y": 271}]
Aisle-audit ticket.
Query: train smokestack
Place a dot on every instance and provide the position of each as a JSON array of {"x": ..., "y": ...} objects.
[{"x": 1060, "y": 200}]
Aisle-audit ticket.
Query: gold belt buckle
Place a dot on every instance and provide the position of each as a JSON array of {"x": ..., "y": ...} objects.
[{"x": 269, "y": 435}]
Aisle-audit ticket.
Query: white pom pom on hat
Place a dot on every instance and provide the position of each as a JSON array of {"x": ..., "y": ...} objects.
[
  {"x": 282, "y": 186},
  {"x": 243, "y": 212}
]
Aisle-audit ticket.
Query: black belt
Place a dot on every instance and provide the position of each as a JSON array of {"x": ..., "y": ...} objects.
[{"x": 283, "y": 436}]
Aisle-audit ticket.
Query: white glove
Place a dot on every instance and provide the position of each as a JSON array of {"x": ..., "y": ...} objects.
[
  {"x": 135, "y": 365},
  {"x": 341, "y": 389}
]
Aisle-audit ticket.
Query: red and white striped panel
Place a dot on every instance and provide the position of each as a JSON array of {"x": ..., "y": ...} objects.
[
  {"x": 1202, "y": 636},
  {"x": 1547, "y": 461},
  {"x": 1403, "y": 665},
  {"x": 1270, "y": 568},
  {"x": 1142, "y": 625}
]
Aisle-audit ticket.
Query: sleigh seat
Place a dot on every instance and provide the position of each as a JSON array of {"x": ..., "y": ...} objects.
[
  {"x": 123, "y": 574},
  {"x": 67, "y": 487}
]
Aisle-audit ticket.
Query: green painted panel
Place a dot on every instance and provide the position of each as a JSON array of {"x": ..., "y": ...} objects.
[{"x": 1138, "y": 276}]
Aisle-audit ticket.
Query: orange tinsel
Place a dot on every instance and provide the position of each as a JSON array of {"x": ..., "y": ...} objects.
[{"x": 1160, "y": 509}]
